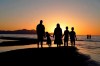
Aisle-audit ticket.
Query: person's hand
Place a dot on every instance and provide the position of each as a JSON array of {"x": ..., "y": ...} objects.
[
  {"x": 51, "y": 36},
  {"x": 76, "y": 38},
  {"x": 62, "y": 36},
  {"x": 44, "y": 36}
]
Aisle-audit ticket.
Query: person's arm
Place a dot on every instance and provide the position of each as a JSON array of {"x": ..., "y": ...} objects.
[
  {"x": 75, "y": 36},
  {"x": 44, "y": 28},
  {"x": 61, "y": 31},
  {"x": 63, "y": 34},
  {"x": 68, "y": 33},
  {"x": 37, "y": 29},
  {"x": 44, "y": 31}
]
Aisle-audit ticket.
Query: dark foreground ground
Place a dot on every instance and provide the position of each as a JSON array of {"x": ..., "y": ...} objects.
[{"x": 61, "y": 56}]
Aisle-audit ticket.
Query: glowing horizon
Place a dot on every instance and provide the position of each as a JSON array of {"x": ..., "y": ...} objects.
[{"x": 83, "y": 15}]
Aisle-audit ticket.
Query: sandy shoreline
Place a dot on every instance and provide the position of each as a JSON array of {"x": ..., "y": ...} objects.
[
  {"x": 62, "y": 55},
  {"x": 58, "y": 56}
]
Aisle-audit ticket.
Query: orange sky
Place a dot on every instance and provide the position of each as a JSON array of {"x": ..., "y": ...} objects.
[{"x": 23, "y": 14}]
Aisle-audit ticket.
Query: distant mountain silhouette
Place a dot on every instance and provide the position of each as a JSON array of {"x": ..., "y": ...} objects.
[{"x": 23, "y": 31}]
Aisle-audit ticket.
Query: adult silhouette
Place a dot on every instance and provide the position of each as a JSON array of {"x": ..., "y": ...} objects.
[
  {"x": 40, "y": 33},
  {"x": 66, "y": 36},
  {"x": 72, "y": 36},
  {"x": 58, "y": 35}
]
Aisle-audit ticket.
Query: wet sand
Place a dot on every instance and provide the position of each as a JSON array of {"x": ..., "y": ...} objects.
[
  {"x": 64, "y": 56},
  {"x": 17, "y": 41}
]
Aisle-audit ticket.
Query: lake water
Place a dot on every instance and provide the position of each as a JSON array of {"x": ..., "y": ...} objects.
[{"x": 88, "y": 46}]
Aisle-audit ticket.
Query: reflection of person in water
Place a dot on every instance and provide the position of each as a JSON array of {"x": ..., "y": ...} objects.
[
  {"x": 66, "y": 36},
  {"x": 58, "y": 35},
  {"x": 48, "y": 39},
  {"x": 40, "y": 33},
  {"x": 72, "y": 36}
]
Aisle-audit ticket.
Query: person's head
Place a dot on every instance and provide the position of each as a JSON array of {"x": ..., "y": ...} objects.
[
  {"x": 58, "y": 25},
  {"x": 41, "y": 21},
  {"x": 47, "y": 33},
  {"x": 66, "y": 27},
  {"x": 72, "y": 28}
]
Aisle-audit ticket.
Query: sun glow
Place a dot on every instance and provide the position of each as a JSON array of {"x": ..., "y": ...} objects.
[{"x": 51, "y": 26}]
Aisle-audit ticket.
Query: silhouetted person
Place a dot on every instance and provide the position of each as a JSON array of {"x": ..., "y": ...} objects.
[
  {"x": 72, "y": 36},
  {"x": 58, "y": 35},
  {"x": 88, "y": 36},
  {"x": 66, "y": 36},
  {"x": 48, "y": 39},
  {"x": 40, "y": 33}
]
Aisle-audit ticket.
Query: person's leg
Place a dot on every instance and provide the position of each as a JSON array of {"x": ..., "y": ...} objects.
[
  {"x": 64, "y": 43},
  {"x": 38, "y": 44},
  {"x": 41, "y": 41},
  {"x": 57, "y": 45},
  {"x": 38, "y": 41},
  {"x": 49, "y": 45},
  {"x": 74, "y": 43},
  {"x": 41, "y": 44},
  {"x": 67, "y": 43},
  {"x": 71, "y": 43},
  {"x": 50, "y": 42}
]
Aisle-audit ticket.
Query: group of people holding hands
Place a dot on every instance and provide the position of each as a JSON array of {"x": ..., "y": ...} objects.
[{"x": 57, "y": 35}]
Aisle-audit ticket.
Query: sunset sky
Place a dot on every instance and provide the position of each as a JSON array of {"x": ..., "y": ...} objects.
[{"x": 83, "y": 15}]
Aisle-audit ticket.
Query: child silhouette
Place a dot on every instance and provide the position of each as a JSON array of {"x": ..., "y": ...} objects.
[
  {"x": 48, "y": 39},
  {"x": 72, "y": 36}
]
